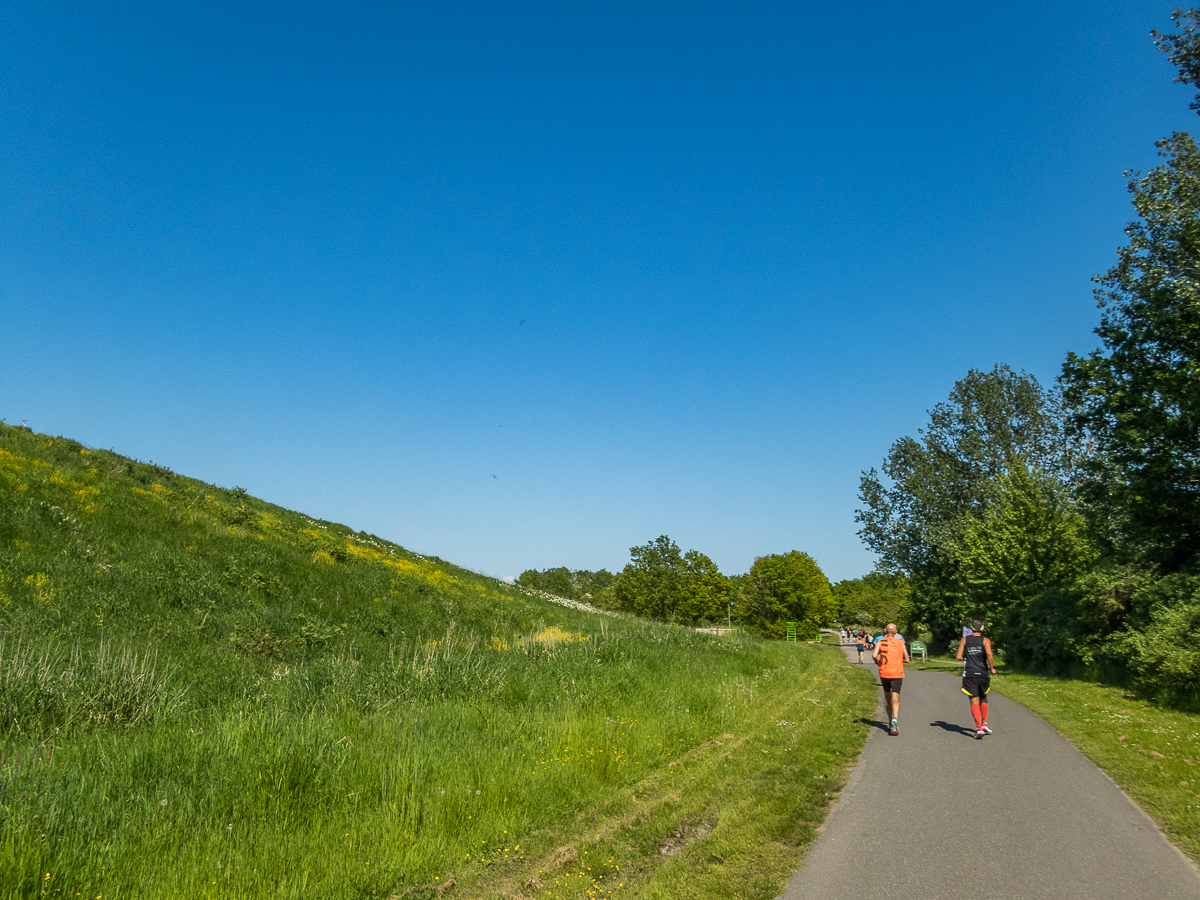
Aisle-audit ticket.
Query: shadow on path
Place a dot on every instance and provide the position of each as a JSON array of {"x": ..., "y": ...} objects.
[
  {"x": 953, "y": 728},
  {"x": 875, "y": 723}
]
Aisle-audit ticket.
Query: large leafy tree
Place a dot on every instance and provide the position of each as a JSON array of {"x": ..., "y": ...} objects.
[
  {"x": 934, "y": 485},
  {"x": 932, "y": 488},
  {"x": 704, "y": 591},
  {"x": 1139, "y": 394},
  {"x": 661, "y": 583},
  {"x": 787, "y": 587},
  {"x": 1031, "y": 539},
  {"x": 650, "y": 583},
  {"x": 873, "y": 600}
]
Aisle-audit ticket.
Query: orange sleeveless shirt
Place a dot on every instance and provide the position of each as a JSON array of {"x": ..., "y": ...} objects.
[{"x": 891, "y": 658}]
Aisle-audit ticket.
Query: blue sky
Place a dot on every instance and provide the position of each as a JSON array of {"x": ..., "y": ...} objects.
[{"x": 526, "y": 284}]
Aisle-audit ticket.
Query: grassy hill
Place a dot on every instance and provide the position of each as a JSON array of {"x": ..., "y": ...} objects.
[{"x": 204, "y": 695}]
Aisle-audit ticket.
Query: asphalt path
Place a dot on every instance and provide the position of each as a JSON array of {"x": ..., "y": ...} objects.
[{"x": 1020, "y": 814}]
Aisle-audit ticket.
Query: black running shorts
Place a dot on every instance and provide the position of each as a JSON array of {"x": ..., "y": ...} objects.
[
  {"x": 977, "y": 685},
  {"x": 891, "y": 685}
]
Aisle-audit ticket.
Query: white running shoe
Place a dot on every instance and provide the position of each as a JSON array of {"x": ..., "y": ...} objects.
[
  {"x": 980, "y": 733},
  {"x": 984, "y": 728}
]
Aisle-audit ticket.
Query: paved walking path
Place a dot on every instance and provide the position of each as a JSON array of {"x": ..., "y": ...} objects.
[{"x": 1019, "y": 815}]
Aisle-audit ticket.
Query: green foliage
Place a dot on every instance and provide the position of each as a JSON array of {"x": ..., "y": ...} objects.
[
  {"x": 704, "y": 592},
  {"x": 594, "y": 588},
  {"x": 1030, "y": 539},
  {"x": 873, "y": 600},
  {"x": 1164, "y": 655},
  {"x": 1139, "y": 395},
  {"x": 1078, "y": 543},
  {"x": 787, "y": 587},
  {"x": 661, "y": 583},
  {"x": 206, "y": 695},
  {"x": 936, "y": 485},
  {"x": 1183, "y": 48},
  {"x": 1068, "y": 629},
  {"x": 933, "y": 490},
  {"x": 1121, "y": 624},
  {"x": 649, "y": 585}
]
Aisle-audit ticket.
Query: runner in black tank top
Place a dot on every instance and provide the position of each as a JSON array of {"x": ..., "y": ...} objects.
[{"x": 978, "y": 666}]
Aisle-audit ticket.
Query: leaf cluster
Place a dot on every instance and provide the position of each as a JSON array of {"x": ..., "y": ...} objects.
[
  {"x": 873, "y": 600},
  {"x": 933, "y": 486},
  {"x": 595, "y": 588},
  {"x": 1138, "y": 394},
  {"x": 661, "y": 583},
  {"x": 787, "y": 587}
]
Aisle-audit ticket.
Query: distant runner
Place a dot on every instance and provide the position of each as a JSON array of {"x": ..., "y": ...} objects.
[
  {"x": 861, "y": 639},
  {"x": 890, "y": 654},
  {"x": 978, "y": 668}
]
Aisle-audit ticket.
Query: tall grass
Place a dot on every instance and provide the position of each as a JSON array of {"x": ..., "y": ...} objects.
[{"x": 207, "y": 696}]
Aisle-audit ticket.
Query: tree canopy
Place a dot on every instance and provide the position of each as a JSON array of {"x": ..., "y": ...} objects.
[
  {"x": 935, "y": 485},
  {"x": 1083, "y": 562},
  {"x": 661, "y": 583},
  {"x": 1138, "y": 395},
  {"x": 873, "y": 600},
  {"x": 595, "y": 588},
  {"x": 936, "y": 488},
  {"x": 787, "y": 587},
  {"x": 1031, "y": 539}
]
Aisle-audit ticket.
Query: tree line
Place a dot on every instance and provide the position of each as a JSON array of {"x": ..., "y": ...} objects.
[
  {"x": 660, "y": 582},
  {"x": 1068, "y": 516}
]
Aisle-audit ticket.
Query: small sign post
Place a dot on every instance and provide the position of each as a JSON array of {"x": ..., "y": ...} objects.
[{"x": 791, "y": 631}]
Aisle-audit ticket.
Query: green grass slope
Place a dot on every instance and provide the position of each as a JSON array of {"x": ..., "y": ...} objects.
[{"x": 204, "y": 695}]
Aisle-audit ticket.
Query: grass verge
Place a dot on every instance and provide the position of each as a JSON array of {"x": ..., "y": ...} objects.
[
  {"x": 204, "y": 695},
  {"x": 731, "y": 817}
]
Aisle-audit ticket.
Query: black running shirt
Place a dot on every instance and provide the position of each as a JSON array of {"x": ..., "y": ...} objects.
[{"x": 975, "y": 661}]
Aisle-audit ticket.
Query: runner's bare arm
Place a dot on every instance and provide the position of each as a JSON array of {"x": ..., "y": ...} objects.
[
  {"x": 987, "y": 648},
  {"x": 962, "y": 642}
]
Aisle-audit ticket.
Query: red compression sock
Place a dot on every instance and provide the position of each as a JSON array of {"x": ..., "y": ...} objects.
[
  {"x": 983, "y": 711},
  {"x": 976, "y": 716}
]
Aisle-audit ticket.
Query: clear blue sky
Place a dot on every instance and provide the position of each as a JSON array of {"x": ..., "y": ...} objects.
[{"x": 526, "y": 284}]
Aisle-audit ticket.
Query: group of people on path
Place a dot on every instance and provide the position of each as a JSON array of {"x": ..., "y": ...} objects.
[
  {"x": 859, "y": 637},
  {"x": 974, "y": 651}
]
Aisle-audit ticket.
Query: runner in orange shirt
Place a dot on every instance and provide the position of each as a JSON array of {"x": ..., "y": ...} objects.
[{"x": 891, "y": 653}]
